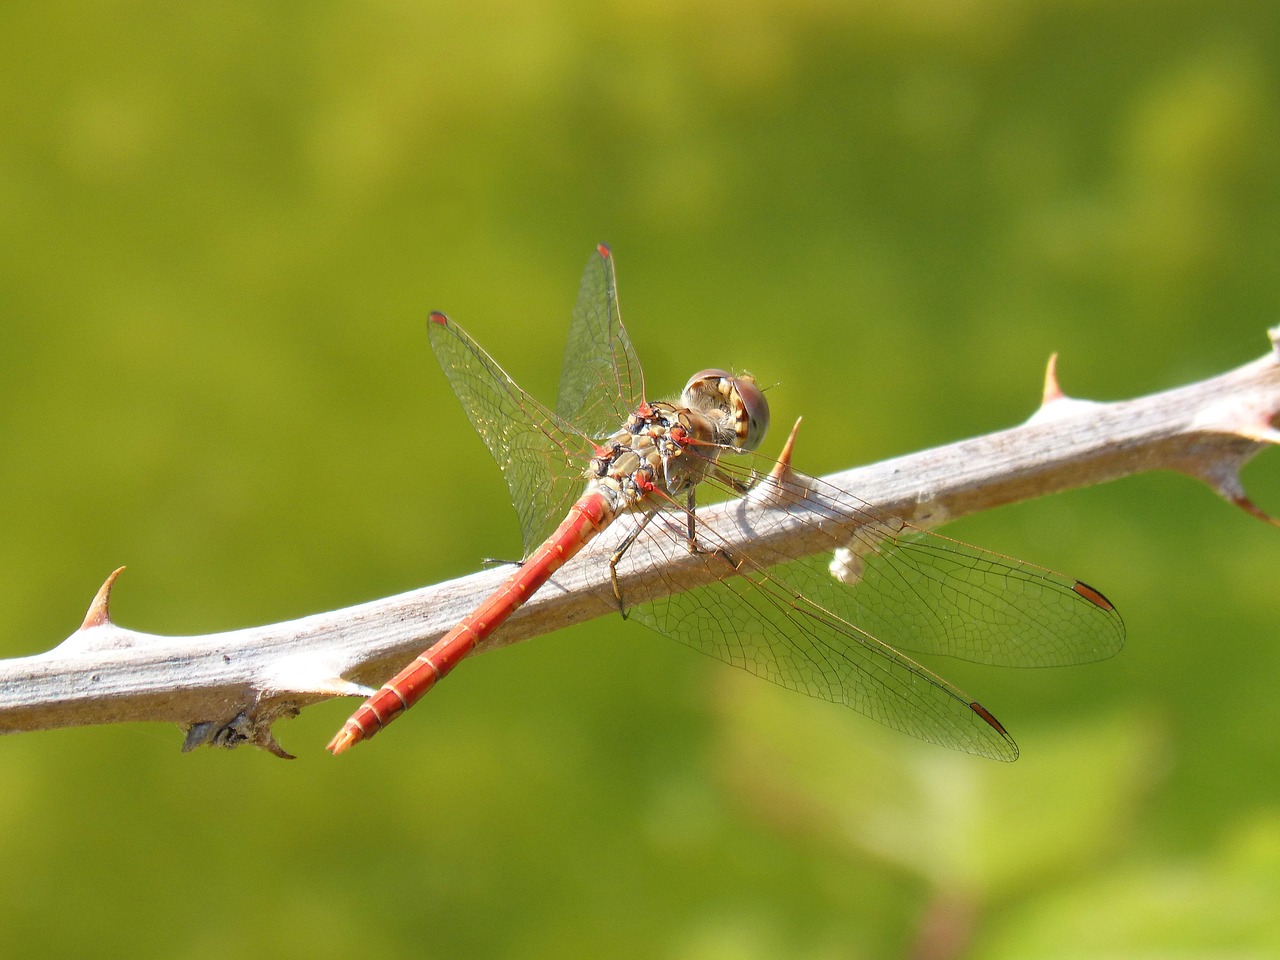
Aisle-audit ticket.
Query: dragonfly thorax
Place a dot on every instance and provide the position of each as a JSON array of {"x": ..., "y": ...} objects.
[
  {"x": 673, "y": 447},
  {"x": 662, "y": 446}
]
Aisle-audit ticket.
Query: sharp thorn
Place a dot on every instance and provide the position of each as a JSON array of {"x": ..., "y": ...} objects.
[
  {"x": 1251, "y": 508},
  {"x": 1052, "y": 389},
  {"x": 1225, "y": 482},
  {"x": 268, "y": 742},
  {"x": 99, "y": 615},
  {"x": 781, "y": 471}
]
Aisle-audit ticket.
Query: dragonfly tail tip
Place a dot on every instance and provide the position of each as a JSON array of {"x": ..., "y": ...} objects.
[{"x": 346, "y": 738}]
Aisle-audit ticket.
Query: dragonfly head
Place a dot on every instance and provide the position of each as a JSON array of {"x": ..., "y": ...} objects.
[{"x": 739, "y": 397}]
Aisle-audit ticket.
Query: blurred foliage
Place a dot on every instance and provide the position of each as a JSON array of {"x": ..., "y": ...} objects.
[{"x": 221, "y": 228}]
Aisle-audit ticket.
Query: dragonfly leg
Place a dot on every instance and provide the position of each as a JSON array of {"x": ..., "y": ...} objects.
[
  {"x": 691, "y": 535},
  {"x": 690, "y": 511},
  {"x": 487, "y": 562},
  {"x": 740, "y": 487},
  {"x": 617, "y": 557}
]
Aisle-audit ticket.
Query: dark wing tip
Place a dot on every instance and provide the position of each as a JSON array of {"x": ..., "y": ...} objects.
[
  {"x": 603, "y": 250},
  {"x": 437, "y": 317},
  {"x": 1093, "y": 595},
  {"x": 989, "y": 718}
]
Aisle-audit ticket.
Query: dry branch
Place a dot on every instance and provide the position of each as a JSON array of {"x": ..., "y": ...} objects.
[{"x": 229, "y": 688}]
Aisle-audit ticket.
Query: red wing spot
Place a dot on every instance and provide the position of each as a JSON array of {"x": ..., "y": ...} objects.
[
  {"x": 603, "y": 250},
  {"x": 438, "y": 317},
  {"x": 986, "y": 715},
  {"x": 1093, "y": 596}
]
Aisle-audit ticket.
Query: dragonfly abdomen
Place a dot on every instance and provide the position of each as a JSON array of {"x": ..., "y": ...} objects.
[{"x": 594, "y": 511}]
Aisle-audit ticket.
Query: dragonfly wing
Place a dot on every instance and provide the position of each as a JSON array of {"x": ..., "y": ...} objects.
[
  {"x": 930, "y": 594},
  {"x": 761, "y": 621},
  {"x": 600, "y": 382},
  {"x": 833, "y": 616},
  {"x": 540, "y": 455}
]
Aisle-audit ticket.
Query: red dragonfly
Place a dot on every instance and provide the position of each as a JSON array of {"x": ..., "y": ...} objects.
[{"x": 831, "y": 621}]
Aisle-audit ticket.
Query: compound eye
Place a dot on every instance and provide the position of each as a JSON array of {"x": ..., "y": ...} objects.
[
  {"x": 711, "y": 387},
  {"x": 756, "y": 408},
  {"x": 740, "y": 396}
]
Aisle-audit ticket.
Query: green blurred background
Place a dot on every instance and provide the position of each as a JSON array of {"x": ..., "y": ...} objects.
[{"x": 221, "y": 229}]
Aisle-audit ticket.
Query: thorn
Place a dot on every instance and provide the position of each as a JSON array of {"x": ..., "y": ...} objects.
[
  {"x": 1251, "y": 508},
  {"x": 781, "y": 471},
  {"x": 98, "y": 615},
  {"x": 267, "y": 741},
  {"x": 783, "y": 485},
  {"x": 1224, "y": 480},
  {"x": 1054, "y": 404},
  {"x": 1052, "y": 390}
]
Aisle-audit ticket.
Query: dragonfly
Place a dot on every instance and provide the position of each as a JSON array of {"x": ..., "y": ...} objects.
[{"x": 835, "y": 613}]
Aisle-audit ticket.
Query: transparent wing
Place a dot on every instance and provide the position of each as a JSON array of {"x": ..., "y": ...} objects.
[
  {"x": 833, "y": 623},
  {"x": 600, "y": 382},
  {"x": 542, "y": 457},
  {"x": 934, "y": 595}
]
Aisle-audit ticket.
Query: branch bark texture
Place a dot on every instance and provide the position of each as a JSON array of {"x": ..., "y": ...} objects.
[{"x": 229, "y": 688}]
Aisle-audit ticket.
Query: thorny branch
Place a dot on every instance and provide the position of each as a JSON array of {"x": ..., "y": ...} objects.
[{"x": 229, "y": 688}]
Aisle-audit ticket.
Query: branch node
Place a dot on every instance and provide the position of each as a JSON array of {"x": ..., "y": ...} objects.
[
  {"x": 199, "y": 734},
  {"x": 244, "y": 727}
]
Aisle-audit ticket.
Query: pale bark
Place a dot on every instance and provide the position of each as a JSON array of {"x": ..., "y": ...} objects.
[{"x": 228, "y": 688}]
